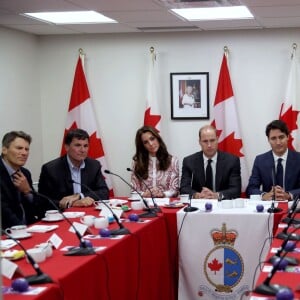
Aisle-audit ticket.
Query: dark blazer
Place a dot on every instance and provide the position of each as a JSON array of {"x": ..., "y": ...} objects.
[
  {"x": 227, "y": 179},
  {"x": 261, "y": 177},
  {"x": 11, "y": 210},
  {"x": 56, "y": 182}
]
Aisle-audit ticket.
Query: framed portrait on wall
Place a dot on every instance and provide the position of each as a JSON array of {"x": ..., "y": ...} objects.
[{"x": 189, "y": 95}]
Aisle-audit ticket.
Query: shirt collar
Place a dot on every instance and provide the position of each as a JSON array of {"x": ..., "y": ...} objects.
[
  {"x": 9, "y": 169},
  {"x": 284, "y": 156},
  {"x": 82, "y": 165},
  {"x": 214, "y": 158}
]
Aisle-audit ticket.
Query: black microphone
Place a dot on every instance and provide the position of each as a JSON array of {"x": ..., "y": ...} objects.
[
  {"x": 284, "y": 234},
  {"x": 40, "y": 277},
  {"x": 78, "y": 251},
  {"x": 293, "y": 210},
  {"x": 273, "y": 209},
  {"x": 156, "y": 207},
  {"x": 189, "y": 207},
  {"x": 150, "y": 212},
  {"x": 122, "y": 230},
  {"x": 271, "y": 289}
]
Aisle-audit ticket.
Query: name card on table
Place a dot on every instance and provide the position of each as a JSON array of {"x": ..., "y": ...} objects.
[{"x": 8, "y": 268}]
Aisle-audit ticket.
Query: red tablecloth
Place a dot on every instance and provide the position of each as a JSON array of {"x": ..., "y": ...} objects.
[{"x": 137, "y": 266}]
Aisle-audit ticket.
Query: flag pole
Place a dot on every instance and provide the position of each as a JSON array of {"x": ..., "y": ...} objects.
[
  {"x": 152, "y": 53},
  {"x": 226, "y": 51},
  {"x": 82, "y": 56}
]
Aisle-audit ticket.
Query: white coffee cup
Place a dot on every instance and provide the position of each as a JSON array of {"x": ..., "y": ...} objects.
[
  {"x": 239, "y": 203},
  {"x": 227, "y": 204},
  {"x": 101, "y": 222},
  {"x": 52, "y": 214},
  {"x": 88, "y": 220},
  {"x": 17, "y": 231},
  {"x": 255, "y": 197},
  {"x": 184, "y": 198},
  {"x": 135, "y": 196},
  {"x": 38, "y": 254},
  {"x": 137, "y": 205},
  {"x": 47, "y": 247}
]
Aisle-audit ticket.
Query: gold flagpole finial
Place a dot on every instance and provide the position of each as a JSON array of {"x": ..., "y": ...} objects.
[
  {"x": 226, "y": 51},
  {"x": 294, "y": 46},
  {"x": 80, "y": 50}
]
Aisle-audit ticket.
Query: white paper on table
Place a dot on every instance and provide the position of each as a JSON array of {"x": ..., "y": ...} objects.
[
  {"x": 73, "y": 214},
  {"x": 158, "y": 201},
  {"x": 55, "y": 240},
  {"x": 81, "y": 228},
  {"x": 105, "y": 212},
  {"x": 41, "y": 228},
  {"x": 8, "y": 268},
  {"x": 7, "y": 244}
]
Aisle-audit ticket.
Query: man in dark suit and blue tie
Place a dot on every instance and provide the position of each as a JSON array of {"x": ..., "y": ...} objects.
[
  {"x": 210, "y": 173},
  {"x": 276, "y": 172}
]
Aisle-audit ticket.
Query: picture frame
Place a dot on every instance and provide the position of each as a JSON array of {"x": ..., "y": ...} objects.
[{"x": 189, "y": 96}]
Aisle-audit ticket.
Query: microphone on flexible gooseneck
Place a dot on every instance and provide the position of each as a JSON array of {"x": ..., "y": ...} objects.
[
  {"x": 40, "y": 277},
  {"x": 156, "y": 207},
  {"x": 190, "y": 208},
  {"x": 273, "y": 209},
  {"x": 150, "y": 212},
  {"x": 82, "y": 249},
  {"x": 122, "y": 230}
]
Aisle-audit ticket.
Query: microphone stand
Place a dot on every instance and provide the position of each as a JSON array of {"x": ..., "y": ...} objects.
[
  {"x": 286, "y": 237},
  {"x": 271, "y": 289},
  {"x": 150, "y": 212},
  {"x": 82, "y": 250},
  {"x": 156, "y": 207},
  {"x": 122, "y": 230},
  {"x": 190, "y": 208},
  {"x": 273, "y": 209},
  {"x": 40, "y": 277}
]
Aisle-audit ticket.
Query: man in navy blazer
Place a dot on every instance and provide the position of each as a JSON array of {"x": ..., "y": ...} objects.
[
  {"x": 263, "y": 177},
  {"x": 226, "y": 170},
  {"x": 58, "y": 177},
  {"x": 19, "y": 205}
]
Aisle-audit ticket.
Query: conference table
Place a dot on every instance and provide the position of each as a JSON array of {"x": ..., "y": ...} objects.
[{"x": 139, "y": 265}]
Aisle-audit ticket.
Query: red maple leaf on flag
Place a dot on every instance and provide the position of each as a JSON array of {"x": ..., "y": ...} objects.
[
  {"x": 96, "y": 148},
  {"x": 215, "y": 265},
  {"x": 231, "y": 145},
  {"x": 151, "y": 120},
  {"x": 290, "y": 118}
]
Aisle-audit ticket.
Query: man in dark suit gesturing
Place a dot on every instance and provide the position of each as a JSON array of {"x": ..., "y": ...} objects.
[
  {"x": 19, "y": 205},
  {"x": 210, "y": 173},
  {"x": 276, "y": 172},
  {"x": 57, "y": 175}
]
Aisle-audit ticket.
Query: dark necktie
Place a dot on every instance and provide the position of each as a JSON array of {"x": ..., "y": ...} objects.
[
  {"x": 279, "y": 173},
  {"x": 209, "y": 175}
]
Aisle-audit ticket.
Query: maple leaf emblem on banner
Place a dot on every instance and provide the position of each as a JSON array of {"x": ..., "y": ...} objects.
[
  {"x": 231, "y": 145},
  {"x": 215, "y": 265}
]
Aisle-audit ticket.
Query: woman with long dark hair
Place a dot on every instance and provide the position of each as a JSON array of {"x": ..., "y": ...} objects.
[{"x": 153, "y": 167}]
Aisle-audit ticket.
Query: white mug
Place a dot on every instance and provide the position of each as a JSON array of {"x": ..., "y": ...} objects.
[
  {"x": 52, "y": 214},
  {"x": 255, "y": 197},
  {"x": 137, "y": 205},
  {"x": 184, "y": 198},
  {"x": 38, "y": 254},
  {"x": 239, "y": 203},
  {"x": 227, "y": 203},
  {"x": 17, "y": 231},
  {"x": 88, "y": 220},
  {"x": 101, "y": 222},
  {"x": 47, "y": 247}
]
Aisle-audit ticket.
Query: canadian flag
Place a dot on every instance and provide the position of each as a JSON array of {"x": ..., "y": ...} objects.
[
  {"x": 152, "y": 115},
  {"x": 81, "y": 114},
  {"x": 226, "y": 120},
  {"x": 291, "y": 105}
]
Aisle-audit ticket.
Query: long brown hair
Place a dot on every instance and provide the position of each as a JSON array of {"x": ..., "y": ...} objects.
[{"x": 141, "y": 156}]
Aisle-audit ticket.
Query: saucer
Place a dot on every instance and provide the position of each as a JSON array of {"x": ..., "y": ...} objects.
[
  {"x": 60, "y": 218},
  {"x": 23, "y": 236},
  {"x": 173, "y": 205}
]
